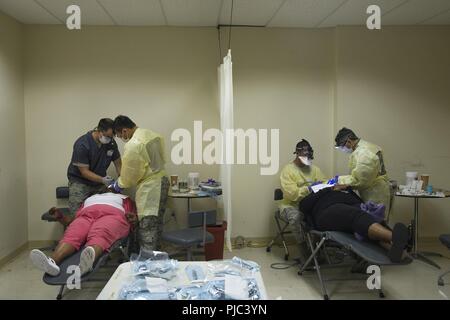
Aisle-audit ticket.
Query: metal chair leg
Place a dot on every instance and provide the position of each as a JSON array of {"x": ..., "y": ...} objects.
[
  {"x": 189, "y": 255},
  {"x": 280, "y": 234},
  {"x": 314, "y": 252},
  {"x": 60, "y": 294},
  {"x": 316, "y": 263},
  {"x": 441, "y": 278},
  {"x": 269, "y": 247}
]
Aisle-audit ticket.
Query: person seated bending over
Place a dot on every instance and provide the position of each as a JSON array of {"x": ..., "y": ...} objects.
[
  {"x": 101, "y": 220},
  {"x": 296, "y": 179},
  {"x": 339, "y": 209}
]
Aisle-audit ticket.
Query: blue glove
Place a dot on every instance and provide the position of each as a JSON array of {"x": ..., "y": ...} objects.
[
  {"x": 115, "y": 187},
  {"x": 334, "y": 180}
]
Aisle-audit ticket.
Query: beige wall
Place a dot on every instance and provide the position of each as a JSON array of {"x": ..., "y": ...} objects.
[
  {"x": 13, "y": 193},
  {"x": 393, "y": 88},
  {"x": 307, "y": 83},
  {"x": 162, "y": 78},
  {"x": 283, "y": 79}
]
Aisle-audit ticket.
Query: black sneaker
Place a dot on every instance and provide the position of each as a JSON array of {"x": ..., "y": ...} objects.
[{"x": 400, "y": 236}]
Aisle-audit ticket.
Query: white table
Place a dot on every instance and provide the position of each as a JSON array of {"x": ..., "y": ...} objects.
[{"x": 122, "y": 276}]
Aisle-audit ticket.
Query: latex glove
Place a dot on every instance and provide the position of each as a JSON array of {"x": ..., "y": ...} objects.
[
  {"x": 107, "y": 180},
  {"x": 115, "y": 187},
  {"x": 333, "y": 180}
]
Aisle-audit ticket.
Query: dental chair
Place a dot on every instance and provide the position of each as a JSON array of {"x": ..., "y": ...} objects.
[
  {"x": 282, "y": 224},
  {"x": 66, "y": 275},
  {"x": 320, "y": 242},
  {"x": 121, "y": 245}
]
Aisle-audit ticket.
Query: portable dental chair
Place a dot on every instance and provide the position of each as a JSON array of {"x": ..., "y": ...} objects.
[
  {"x": 319, "y": 243},
  {"x": 283, "y": 225},
  {"x": 65, "y": 275},
  {"x": 445, "y": 239}
]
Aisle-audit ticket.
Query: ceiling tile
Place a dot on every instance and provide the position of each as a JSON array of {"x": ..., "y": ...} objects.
[
  {"x": 192, "y": 12},
  {"x": 304, "y": 13},
  {"x": 415, "y": 11},
  {"x": 91, "y": 12},
  {"x": 441, "y": 19},
  {"x": 249, "y": 12},
  {"x": 271, "y": 13},
  {"x": 135, "y": 12},
  {"x": 27, "y": 11},
  {"x": 353, "y": 12}
]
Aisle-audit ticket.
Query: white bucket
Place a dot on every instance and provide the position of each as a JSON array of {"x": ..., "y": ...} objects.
[
  {"x": 410, "y": 177},
  {"x": 193, "y": 180}
]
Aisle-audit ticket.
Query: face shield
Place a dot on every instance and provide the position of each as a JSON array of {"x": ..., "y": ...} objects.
[{"x": 305, "y": 154}]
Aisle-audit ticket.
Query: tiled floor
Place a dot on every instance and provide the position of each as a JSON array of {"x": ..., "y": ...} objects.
[{"x": 19, "y": 280}]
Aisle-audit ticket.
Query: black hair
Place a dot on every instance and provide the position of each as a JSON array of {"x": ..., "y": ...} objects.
[
  {"x": 343, "y": 135},
  {"x": 105, "y": 124},
  {"x": 123, "y": 122}
]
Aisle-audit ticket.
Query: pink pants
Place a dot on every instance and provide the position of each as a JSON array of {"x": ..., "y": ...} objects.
[{"x": 100, "y": 225}]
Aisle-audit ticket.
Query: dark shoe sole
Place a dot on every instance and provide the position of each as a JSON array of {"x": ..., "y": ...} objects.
[{"x": 400, "y": 237}]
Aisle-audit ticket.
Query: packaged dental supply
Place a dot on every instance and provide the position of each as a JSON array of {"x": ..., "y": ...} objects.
[
  {"x": 156, "y": 285},
  {"x": 215, "y": 290},
  {"x": 139, "y": 290},
  {"x": 210, "y": 290},
  {"x": 195, "y": 273},
  {"x": 247, "y": 264},
  {"x": 149, "y": 255},
  {"x": 235, "y": 287},
  {"x": 165, "y": 269},
  {"x": 222, "y": 268}
]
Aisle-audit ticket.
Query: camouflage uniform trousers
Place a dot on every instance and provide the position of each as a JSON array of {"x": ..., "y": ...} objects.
[
  {"x": 150, "y": 227},
  {"x": 294, "y": 217},
  {"x": 78, "y": 192}
]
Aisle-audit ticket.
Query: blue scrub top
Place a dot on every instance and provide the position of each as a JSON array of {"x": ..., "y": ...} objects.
[{"x": 97, "y": 157}]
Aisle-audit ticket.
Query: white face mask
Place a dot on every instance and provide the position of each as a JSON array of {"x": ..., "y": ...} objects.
[
  {"x": 345, "y": 149},
  {"x": 104, "y": 140},
  {"x": 305, "y": 161},
  {"x": 125, "y": 140}
]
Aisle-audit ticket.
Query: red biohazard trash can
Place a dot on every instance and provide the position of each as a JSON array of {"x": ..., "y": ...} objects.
[{"x": 214, "y": 251}]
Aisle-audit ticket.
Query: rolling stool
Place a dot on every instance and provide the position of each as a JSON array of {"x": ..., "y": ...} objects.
[{"x": 187, "y": 239}]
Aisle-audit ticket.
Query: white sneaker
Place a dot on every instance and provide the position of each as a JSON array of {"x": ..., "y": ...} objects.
[
  {"x": 87, "y": 259},
  {"x": 44, "y": 263}
]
